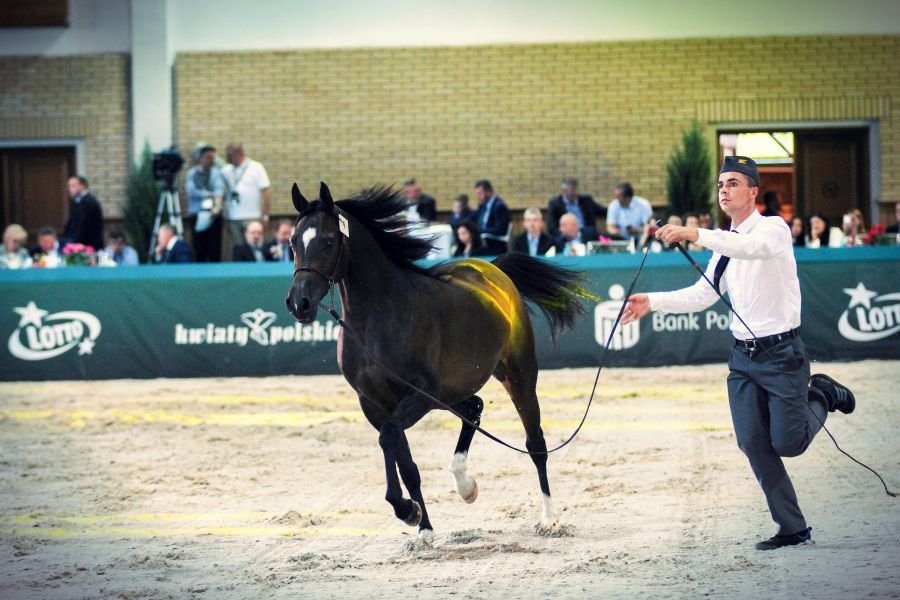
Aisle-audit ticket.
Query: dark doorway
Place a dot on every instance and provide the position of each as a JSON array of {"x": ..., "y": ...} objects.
[
  {"x": 810, "y": 170},
  {"x": 832, "y": 172},
  {"x": 33, "y": 186}
]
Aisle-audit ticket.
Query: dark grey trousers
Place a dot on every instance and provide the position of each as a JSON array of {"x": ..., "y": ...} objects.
[{"x": 770, "y": 407}]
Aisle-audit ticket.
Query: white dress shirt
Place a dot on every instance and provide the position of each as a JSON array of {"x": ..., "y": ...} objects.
[{"x": 761, "y": 278}]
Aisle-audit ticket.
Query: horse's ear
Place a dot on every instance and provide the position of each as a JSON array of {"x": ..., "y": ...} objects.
[
  {"x": 300, "y": 203},
  {"x": 325, "y": 196}
]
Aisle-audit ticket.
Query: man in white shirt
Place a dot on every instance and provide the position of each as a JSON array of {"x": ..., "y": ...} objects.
[
  {"x": 776, "y": 407},
  {"x": 249, "y": 192},
  {"x": 627, "y": 214}
]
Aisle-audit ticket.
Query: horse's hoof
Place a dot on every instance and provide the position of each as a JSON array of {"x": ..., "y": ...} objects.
[
  {"x": 473, "y": 493},
  {"x": 415, "y": 515},
  {"x": 426, "y": 537}
]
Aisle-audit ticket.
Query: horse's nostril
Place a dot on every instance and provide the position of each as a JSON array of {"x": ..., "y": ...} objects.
[{"x": 304, "y": 304}]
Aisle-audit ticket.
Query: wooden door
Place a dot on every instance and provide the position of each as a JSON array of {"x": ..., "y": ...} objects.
[
  {"x": 832, "y": 170},
  {"x": 33, "y": 186}
]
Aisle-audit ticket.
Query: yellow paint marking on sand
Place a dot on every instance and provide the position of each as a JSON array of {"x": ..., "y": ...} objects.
[
  {"x": 79, "y": 418},
  {"x": 219, "y": 531},
  {"x": 565, "y": 426},
  {"x": 231, "y": 524}
]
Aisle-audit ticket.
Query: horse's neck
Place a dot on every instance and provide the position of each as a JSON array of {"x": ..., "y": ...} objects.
[{"x": 372, "y": 281}]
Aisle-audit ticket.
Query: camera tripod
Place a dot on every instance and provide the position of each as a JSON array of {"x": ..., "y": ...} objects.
[{"x": 168, "y": 202}]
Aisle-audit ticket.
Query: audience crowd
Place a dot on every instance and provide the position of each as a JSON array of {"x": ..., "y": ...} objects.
[{"x": 228, "y": 206}]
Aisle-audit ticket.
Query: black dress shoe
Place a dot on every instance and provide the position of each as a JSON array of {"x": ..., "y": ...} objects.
[
  {"x": 839, "y": 397},
  {"x": 791, "y": 539}
]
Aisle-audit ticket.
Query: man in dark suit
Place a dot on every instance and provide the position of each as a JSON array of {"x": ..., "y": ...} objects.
[
  {"x": 533, "y": 241},
  {"x": 171, "y": 248},
  {"x": 85, "y": 224},
  {"x": 253, "y": 249},
  {"x": 280, "y": 249},
  {"x": 422, "y": 207},
  {"x": 492, "y": 217},
  {"x": 583, "y": 206}
]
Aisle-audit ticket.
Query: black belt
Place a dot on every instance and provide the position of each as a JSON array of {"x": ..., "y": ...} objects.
[{"x": 766, "y": 342}]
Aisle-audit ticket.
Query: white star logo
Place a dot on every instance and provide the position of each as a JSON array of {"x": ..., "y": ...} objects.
[
  {"x": 30, "y": 314},
  {"x": 860, "y": 295},
  {"x": 86, "y": 346}
]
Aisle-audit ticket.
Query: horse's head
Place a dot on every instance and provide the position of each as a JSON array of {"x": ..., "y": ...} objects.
[{"x": 320, "y": 259}]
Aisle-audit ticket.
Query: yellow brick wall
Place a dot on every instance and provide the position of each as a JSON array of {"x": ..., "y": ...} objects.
[
  {"x": 526, "y": 115},
  {"x": 77, "y": 97}
]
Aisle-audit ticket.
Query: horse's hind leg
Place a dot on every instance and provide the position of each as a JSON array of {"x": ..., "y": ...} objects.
[
  {"x": 518, "y": 374},
  {"x": 465, "y": 484}
]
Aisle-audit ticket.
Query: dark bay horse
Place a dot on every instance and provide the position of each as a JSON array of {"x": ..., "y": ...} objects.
[{"x": 446, "y": 330}]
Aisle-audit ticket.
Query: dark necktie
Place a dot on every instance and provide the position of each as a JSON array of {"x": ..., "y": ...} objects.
[{"x": 720, "y": 269}]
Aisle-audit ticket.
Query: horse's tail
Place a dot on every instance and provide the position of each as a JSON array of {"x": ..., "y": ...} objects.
[{"x": 554, "y": 290}]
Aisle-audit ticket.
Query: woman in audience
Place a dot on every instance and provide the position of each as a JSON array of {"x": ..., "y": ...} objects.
[
  {"x": 469, "y": 240},
  {"x": 13, "y": 254},
  {"x": 854, "y": 229},
  {"x": 819, "y": 231},
  {"x": 798, "y": 231}
]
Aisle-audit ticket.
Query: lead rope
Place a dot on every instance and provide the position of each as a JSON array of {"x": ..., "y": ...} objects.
[
  {"x": 690, "y": 259},
  {"x": 334, "y": 314}
]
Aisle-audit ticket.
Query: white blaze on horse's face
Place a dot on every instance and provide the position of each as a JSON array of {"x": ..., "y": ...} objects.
[{"x": 307, "y": 237}]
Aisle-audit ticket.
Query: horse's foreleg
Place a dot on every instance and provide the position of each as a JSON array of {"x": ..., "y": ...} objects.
[
  {"x": 409, "y": 472},
  {"x": 408, "y": 511},
  {"x": 398, "y": 456},
  {"x": 465, "y": 484}
]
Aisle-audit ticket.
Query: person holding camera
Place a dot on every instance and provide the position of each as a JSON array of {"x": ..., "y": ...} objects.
[
  {"x": 205, "y": 189},
  {"x": 628, "y": 213},
  {"x": 249, "y": 195}
]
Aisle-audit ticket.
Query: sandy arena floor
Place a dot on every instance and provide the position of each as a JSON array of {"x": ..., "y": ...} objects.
[{"x": 273, "y": 488}]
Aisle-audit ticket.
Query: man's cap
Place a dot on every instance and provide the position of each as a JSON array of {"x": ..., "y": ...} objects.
[{"x": 741, "y": 164}]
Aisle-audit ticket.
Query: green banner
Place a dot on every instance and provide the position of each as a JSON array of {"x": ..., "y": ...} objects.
[{"x": 230, "y": 319}]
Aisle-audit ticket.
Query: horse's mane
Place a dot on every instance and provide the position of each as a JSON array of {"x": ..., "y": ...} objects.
[{"x": 377, "y": 209}]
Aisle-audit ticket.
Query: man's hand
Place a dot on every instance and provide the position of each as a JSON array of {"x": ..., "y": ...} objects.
[
  {"x": 638, "y": 306},
  {"x": 671, "y": 234}
]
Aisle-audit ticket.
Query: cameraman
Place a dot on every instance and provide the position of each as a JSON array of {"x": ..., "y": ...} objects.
[
  {"x": 249, "y": 192},
  {"x": 205, "y": 189}
]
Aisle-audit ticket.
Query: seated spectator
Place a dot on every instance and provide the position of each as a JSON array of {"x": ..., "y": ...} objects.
[
  {"x": 459, "y": 213},
  {"x": 854, "y": 229},
  {"x": 492, "y": 218},
  {"x": 704, "y": 220},
  {"x": 583, "y": 206},
  {"x": 280, "y": 249},
  {"x": 470, "y": 243},
  {"x": 675, "y": 220},
  {"x": 171, "y": 248},
  {"x": 819, "y": 231},
  {"x": 253, "y": 249},
  {"x": 533, "y": 240},
  {"x": 692, "y": 220},
  {"x": 13, "y": 254},
  {"x": 798, "y": 231},
  {"x": 569, "y": 242},
  {"x": 895, "y": 228},
  {"x": 47, "y": 253},
  {"x": 119, "y": 251},
  {"x": 627, "y": 213},
  {"x": 422, "y": 207},
  {"x": 771, "y": 204}
]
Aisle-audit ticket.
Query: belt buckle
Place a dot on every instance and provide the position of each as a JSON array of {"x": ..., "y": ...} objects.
[{"x": 752, "y": 346}]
